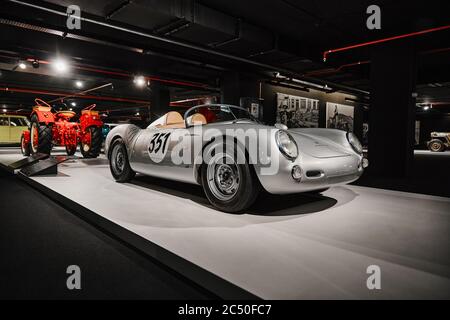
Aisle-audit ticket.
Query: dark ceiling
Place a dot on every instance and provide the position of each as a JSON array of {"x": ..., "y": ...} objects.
[{"x": 260, "y": 37}]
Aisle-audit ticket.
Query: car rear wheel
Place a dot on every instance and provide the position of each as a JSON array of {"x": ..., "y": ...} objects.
[
  {"x": 436, "y": 145},
  {"x": 40, "y": 136},
  {"x": 119, "y": 164},
  {"x": 24, "y": 147},
  {"x": 228, "y": 185},
  {"x": 92, "y": 144}
]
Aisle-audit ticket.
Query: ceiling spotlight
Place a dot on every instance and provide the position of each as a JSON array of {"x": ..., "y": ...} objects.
[
  {"x": 139, "y": 81},
  {"x": 79, "y": 84},
  {"x": 4, "y": 110},
  {"x": 70, "y": 109},
  {"x": 61, "y": 65},
  {"x": 22, "y": 65},
  {"x": 73, "y": 104},
  {"x": 35, "y": 64},
  {"x": 137, "y": 113},
  {"x": 426, "y": 108}
]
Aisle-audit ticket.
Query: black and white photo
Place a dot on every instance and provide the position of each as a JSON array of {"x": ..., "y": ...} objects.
[
  {"x": 340, "y": 116},
  {"x": 297, "y": 112}
]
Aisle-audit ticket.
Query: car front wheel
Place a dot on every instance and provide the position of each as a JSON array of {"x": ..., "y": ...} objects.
[{"x": 229, "y": 185}]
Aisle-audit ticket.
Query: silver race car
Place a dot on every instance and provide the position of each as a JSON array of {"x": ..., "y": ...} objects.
[{"x": 232, "y": 156}]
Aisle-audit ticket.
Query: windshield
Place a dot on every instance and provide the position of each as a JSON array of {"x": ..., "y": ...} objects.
[{"x": 220, "y": 113}]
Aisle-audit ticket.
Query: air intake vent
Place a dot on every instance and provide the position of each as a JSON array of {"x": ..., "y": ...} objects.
[{"x": 314, "y": 174}]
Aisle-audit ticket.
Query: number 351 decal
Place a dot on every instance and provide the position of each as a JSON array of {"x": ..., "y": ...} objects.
[{"x": 158, "y": 143}]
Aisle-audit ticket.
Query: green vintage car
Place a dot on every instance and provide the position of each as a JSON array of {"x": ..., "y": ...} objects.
[{"x": 11, "y": 128}]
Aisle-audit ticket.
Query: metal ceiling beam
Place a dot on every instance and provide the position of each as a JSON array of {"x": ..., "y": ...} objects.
[
  {"x": 267, "y": 67},
  {"x": 118, "y": 9}
]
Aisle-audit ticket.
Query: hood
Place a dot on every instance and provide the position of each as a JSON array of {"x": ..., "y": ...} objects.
[{"x": 318, "y": 146}]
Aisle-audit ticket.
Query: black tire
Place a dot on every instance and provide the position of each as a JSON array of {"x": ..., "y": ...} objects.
[
  {"x": 436, "y": 145},
  {"x": 24, "y": 147},
  {"x": 71, "y": 150},
  {"x": 92, "y": 150},
  {"x": 44, "y": 144},
  {"x": 119, "y": 164},
  {"x": 245, "y": 193}
]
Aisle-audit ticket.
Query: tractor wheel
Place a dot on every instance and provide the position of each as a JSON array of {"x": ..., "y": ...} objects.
[
  {"x": 92, "y": 149},
  {"x": 436, "y": 145},
  {"x": 70, "y": 150},
  {"x": 40, "y": 136},
  {"x": 24, "y": 147}
]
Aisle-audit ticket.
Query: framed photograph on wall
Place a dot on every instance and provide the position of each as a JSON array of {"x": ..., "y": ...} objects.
[
  {"x": 297, "y": 112},
  {"x": 340, "y": 116}
]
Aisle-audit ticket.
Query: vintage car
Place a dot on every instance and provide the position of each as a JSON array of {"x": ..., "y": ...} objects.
[
  {"x": 11, "y": 128},
  {"x": 232, "y": 156},
  {"x": 440, "y": 141}
]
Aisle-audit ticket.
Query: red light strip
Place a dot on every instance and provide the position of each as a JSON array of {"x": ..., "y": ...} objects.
[{"x": 413, "y": 34}]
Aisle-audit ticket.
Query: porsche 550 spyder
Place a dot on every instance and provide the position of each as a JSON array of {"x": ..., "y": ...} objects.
[{"x": 233, "y": 156}]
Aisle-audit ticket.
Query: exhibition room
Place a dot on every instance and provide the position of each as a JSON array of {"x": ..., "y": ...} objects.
[{"x": 211, "y": 149}]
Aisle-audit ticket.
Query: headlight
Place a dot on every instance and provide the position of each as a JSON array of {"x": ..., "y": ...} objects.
[
  {"x": 286, "y": 144},
  {"x": 354, "y": 142}
]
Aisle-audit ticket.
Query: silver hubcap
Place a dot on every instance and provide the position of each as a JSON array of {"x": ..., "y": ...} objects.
[
  {"x": 118, "y": 160},
  {"x": 223, "y": 177}
]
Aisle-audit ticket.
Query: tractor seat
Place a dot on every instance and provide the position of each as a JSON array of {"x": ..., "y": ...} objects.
[{"x": 65, "y": 114}]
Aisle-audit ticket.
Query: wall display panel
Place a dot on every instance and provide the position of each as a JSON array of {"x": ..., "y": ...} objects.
[
  {"x": 340, "y": 116},
  {"x": 297, "y": 112}
]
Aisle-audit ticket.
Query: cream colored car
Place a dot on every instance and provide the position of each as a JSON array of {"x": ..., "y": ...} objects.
[{"x": 11, "y": 128}]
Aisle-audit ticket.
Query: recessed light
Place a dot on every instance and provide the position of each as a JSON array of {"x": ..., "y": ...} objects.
[
  {"x": 139, "y": 81},
  {"x": 22, "y": 65},
  {"x": 79, "y": 84},
  {"x": 60, "y": 65},
  {"x": 74, "y": 104}
]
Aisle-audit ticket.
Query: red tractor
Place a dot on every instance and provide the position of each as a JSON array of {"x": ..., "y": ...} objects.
[{"x": 48, "y": 129}]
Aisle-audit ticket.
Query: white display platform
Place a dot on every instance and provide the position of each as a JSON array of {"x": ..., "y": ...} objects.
[{"x": 291, "y": 247}]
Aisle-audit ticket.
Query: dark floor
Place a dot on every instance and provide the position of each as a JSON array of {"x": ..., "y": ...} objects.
[
  {"x": 39, "y": 240},
  {"x": 431, "y": 175}
]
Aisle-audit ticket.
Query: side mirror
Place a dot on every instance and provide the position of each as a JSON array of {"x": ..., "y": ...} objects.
[{"x": 281, "y": 126}]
